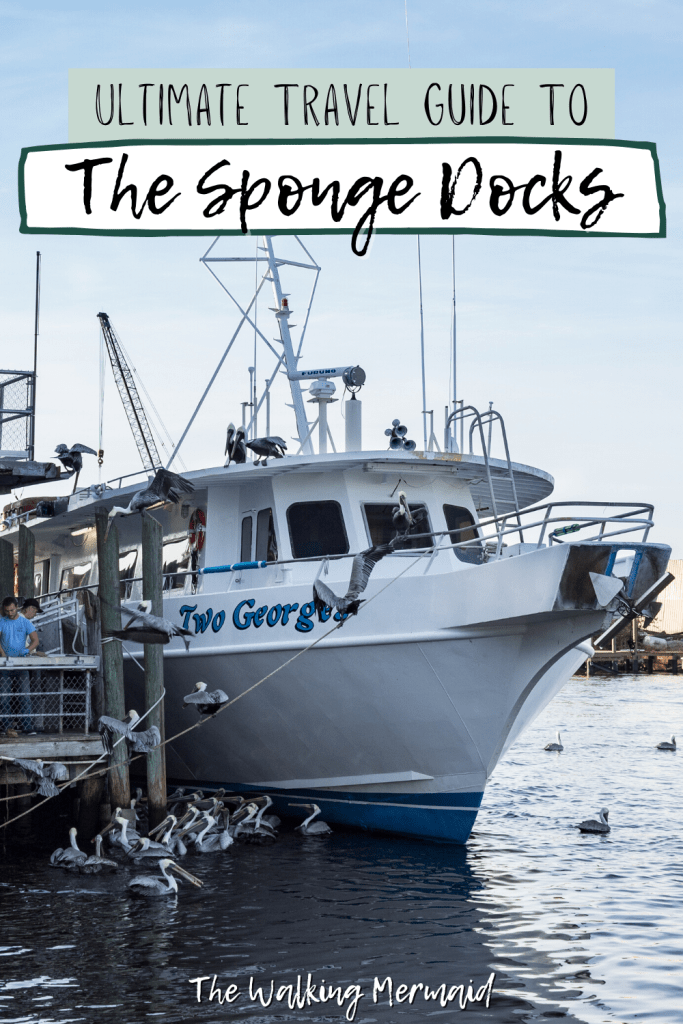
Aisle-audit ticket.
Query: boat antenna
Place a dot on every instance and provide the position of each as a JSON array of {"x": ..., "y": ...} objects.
[
  {"x": 454, "y": 349},
  {"x": 36, "y": 331}
]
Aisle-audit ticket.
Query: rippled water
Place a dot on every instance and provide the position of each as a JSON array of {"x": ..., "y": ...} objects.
[{"x": 582, "y": 927}]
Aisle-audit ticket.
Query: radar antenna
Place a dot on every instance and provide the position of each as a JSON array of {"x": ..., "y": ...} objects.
[{"x": 128, "y": 391}]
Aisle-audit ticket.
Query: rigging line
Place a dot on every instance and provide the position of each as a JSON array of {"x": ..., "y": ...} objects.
[
  {"x": 422, "y": 347},
  {"x": 100, "y": 446},
  {"x": 198, "y": 724}
]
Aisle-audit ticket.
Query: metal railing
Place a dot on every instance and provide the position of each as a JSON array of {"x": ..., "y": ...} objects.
[{"x": 49, "y": 700}]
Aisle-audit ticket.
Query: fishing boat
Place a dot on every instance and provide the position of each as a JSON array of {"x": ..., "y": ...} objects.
[{"x": 393, "y": 718}]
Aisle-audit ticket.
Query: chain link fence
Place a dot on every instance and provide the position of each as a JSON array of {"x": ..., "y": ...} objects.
[
  {"x": 47, "y": 700},
  {"x": 16, "y": 412}
]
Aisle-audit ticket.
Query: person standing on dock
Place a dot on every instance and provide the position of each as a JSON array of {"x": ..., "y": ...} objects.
[{"x": 14, "y": 629}]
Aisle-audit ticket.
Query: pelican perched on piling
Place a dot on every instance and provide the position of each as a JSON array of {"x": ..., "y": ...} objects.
[
  {"x": 149, "y": 885},
  {"x": 70, "y": 858},
  {"x": 310, "y": 827},
  {"x": 599, "y": 827},
  {"x": 138, "y": 741},
  {"x": 664, "y": 745},
  {"x": 555, "y": 746},
  {"x": 164, "y": 488},
  {"x": 206, "y": 703},
  {"x": 96, "y": 863}
]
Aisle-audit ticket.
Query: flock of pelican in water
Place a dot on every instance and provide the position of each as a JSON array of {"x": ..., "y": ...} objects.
[
  {"x": 209, "y": 825},
  {"x": 599, "y": 826}
]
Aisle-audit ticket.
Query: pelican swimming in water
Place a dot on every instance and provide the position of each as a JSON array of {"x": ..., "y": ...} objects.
[
  {"x": 206, "y": 703},
  {"x": 310, "y": 827},
  {"x": 96, "y": 863},
  {"x": 599, "y": 827},
  {"x": 555, "y": 746},
  {"x": 120, "y": 836},
  {"x": 70, "y": 858},
  {"x": 667, "y": 746},
  {"x": 149, "y": 885},
  {"x": 212, "y": 843}
]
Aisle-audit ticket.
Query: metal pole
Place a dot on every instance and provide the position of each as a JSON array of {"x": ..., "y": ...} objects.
[
  {"x": 422, "y": 348},
  {"x": 27, "y": 559},
  {"x": 112, "y": 654},
  {"x": 36, "y": 324},
  {"x": 290, "y": 359},
  {"x": 453, "y": 337},
  {"x": 6, "y": 568},
  {"x": 152, "y": 590}
]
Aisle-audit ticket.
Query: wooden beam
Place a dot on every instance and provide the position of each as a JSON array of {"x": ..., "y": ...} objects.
[
  {"x": 152, "y": 590},
  {"x": 112, "y": 654},
  {"x": 27, "y": 563},
  {"x": 6, "y": 569}
]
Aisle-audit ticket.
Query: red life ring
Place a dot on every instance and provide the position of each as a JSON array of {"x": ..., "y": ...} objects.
[{"x": 197, "y": 529}]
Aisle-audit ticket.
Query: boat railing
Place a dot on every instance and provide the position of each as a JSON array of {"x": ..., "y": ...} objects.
[{"x": 482, "y": 426}]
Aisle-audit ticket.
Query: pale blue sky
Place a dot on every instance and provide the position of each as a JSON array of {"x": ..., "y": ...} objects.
[{"x": 575, "y": 340}]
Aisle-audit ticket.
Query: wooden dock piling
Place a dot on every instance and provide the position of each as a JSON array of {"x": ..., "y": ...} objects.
[
  {"x": 152, "y": 590},
  {"x": 112, "y": 654},
  {"x": 27, "y": 561},
  {"x": 6, "y": 569}
]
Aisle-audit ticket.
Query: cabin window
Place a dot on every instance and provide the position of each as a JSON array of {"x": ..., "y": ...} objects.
[
  {"x": 127, "y": 563},
  {"x": 461, "y": 521},
  {"x": 245, "y": 549},
  {"x": 76, "y": 576},
  {"x": 176, "y": 558},
  {"x": 266, "y": 541},
  {"x": 317, "y": 528},
  {"x": 382, "y": 528},
  {"x": 41, "y": 578}
]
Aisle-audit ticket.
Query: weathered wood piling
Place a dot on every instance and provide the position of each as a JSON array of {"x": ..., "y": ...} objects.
[
  {"x": 26, "y": 563},
  {"x": 112, "y": 655},
  {"x": 6, "y": 569},
  {"x": 152, "y": 590}
]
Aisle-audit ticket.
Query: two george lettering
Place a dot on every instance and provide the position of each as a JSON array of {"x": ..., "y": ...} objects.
[{"x": 245, "y": 616}]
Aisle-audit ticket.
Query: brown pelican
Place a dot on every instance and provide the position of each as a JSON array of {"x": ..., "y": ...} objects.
[
  {"x": 555, "y": 746},
  {"x": 258, "y": 830},
  {"x": 148, "y": 885},
  {"x": 310, "y": 827},
  {"x": 206, "y": 843},
  {"x": 96, "y": 863},
  {"x": 165, "y": 487},
  {"x": 235, "y": 447},
  {"x": 72, "y": 458},
  {"x": 361, "y": 568},
  {"x": 145, "y": 628},
  {"x": 120, "y": 836},
  {"x": 44, "y": 775},
  {"x": 599, "y": 827},
  {"x": 237, "y": 828},
  {"x": 206, "y": 703},
  {"x": 667, "y": 746},
  {"x": 71, "y": 857},
  {"x": 267, "y": 448},
  {"x": 138, "y": 742}
]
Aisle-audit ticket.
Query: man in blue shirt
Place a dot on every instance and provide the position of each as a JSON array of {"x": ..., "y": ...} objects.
[{"x": 13, "y": 632}]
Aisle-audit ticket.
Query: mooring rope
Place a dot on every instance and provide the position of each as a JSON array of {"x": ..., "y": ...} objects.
[{"x": 201, "y": 722}]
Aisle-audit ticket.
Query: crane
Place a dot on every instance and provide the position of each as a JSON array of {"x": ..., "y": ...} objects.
[{"x": 128, "y": 391}]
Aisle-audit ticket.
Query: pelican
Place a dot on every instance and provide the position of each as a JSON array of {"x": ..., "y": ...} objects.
[
  {"x": 310, "y": 827},
  {"x": 121, "y": 836},
  {"x": 258, "y": 830},
  {"x": 667, "y": 746},
  {"x": 267, "y": 448},
  {"x": 361, "y": 568},
  {"x": 164, "y": 488},
  {"x": 555, "y": 746},
  {"x": 148, "y": 885},
  {"x": 43, "y": 774},
  {"x": 268, "y": 819},
  {"x": 237, "y": 828},
  {"x": 205, "y": 843},
  {"x": 72, "y": 458},
  {"x": 71, "y": 857},
  {"x": 206, "y": 703},
  {"x": 138, "y": 742},
  {"x": 96, "y": 863},
  {"x": 145, "y": 628},
  {"x": 169, "y": 842},
  {"x": 599, "y": 827},
  {"x": 235, "y": 447}
]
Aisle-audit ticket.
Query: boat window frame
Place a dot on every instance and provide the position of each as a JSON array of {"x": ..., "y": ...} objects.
[
  {"x": 271, "y": 534},
  {"x": 84, "y": 578},
  {"x": 322, "y": 501},
  {"x": 423, "y": 543},
  {"x": 174, "y": 581},
  {"x": 473, "y": 555},
  {"x": 247, "y": 516}
]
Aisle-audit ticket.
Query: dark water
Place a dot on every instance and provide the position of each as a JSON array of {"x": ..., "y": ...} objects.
[{"x": 575, "y": 927}]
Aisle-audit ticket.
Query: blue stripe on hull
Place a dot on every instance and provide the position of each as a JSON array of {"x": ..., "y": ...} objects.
[{"x": 447, "y": 817}]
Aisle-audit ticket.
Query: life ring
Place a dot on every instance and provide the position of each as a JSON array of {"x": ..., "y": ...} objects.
[{"x": 197, "y": 529}]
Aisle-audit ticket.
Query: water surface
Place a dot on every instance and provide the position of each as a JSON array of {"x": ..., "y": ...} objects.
[{"x": 575, "y": 927}]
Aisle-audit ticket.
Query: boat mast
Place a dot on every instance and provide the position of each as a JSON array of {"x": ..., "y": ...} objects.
[{"x": 282, "y": 314}]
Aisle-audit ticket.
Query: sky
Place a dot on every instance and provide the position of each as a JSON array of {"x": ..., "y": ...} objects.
[{"x": 575, "y": 341}]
